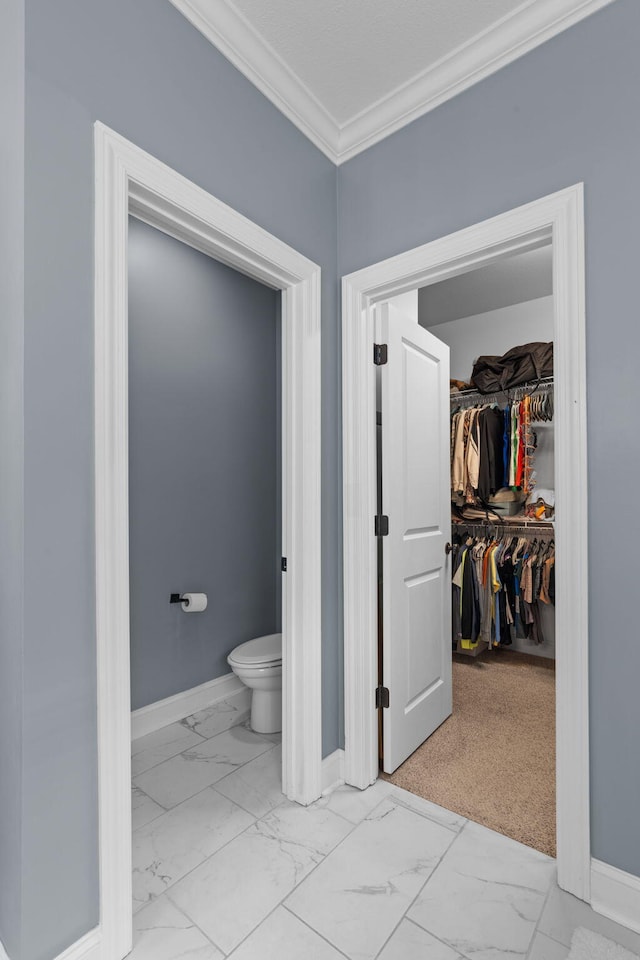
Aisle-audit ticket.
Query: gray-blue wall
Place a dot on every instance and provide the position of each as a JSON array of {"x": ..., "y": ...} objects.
[
  {"x": 566, "y": 112},
  {"x": 203, "y": 442},
  {"x": 145, "y": 71},
  {"x": 11, "y": 465}
]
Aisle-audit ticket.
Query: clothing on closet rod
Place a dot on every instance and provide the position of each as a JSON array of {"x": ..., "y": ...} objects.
[
  {"x": 491, "y": 449},
  {"x": 493, "y": 443},
  {"x": 498, "y": 584}
]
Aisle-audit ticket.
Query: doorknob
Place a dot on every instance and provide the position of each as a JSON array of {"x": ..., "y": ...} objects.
[{"x": 448, "y": 548}]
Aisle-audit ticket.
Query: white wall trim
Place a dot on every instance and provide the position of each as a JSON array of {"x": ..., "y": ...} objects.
[
  {"x": 129, "y": 180},
  {"x": 88, "y": 947},
  {"x": 227, "y": 688},
  {"x": 615, "y": 894},
  {"x": 332, "y": 771},
  {"x": 500, "y": 44},
  {"x": 559, "y": 216},
  {"x": 3, "y": 952}
]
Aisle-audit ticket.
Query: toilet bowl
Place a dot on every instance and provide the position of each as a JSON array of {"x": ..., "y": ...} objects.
[{"x": 258, "y": 663}]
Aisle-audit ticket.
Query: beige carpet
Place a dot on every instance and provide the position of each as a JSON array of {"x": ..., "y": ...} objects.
[
  {"x": 493, "y": 760},
  {"x": 587, "y": 945}
]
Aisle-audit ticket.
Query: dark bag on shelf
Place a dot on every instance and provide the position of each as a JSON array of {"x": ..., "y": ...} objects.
[{"x": 529, "y": 362}]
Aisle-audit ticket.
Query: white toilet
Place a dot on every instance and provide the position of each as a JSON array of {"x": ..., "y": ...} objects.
[{"x": 258, "y": 663}]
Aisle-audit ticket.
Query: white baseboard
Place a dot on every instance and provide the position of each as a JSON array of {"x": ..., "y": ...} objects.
[
  {"x": 615, "y": 894},
  {"x": 227, "y": 689},
  {"x": 88, "y": 947},
  {"x": 332, "y": 774},
  {"x": 3, "y": 953}
]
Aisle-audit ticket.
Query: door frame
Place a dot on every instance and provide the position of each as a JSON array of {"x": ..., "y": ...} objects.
[
  {"x": 130, "y": 181},
  {"x": 560, "y": 217}
]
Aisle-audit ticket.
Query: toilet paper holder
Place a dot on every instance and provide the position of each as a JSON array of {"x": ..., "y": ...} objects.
[{"x": 190, "y": 602}]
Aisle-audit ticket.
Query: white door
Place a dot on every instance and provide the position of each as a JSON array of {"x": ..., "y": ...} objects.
[{"x": 416, "y": 593}]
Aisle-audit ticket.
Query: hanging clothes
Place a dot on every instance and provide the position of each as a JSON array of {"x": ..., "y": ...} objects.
[
  {"x": 498, "y": 585},
  {"x": 491, "y": 472},
  {"x": 492, "y": 449}
]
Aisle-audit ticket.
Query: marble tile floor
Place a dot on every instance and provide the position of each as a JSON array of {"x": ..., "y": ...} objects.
[{"x": 226, "y": 866}]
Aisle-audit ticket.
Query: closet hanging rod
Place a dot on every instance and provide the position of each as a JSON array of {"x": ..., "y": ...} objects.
[
  {"x": 531, "y": 387},
  {"x": 544, "y": 528}
]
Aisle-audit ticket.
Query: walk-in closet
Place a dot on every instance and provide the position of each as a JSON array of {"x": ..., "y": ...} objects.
[{"x": 492, "y": 758}]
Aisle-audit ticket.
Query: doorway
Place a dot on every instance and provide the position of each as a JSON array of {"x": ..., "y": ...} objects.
[
  {"x": 130, "y": 181},
  {"x": 487, "y": 460},
  {"x": 205, "y": 498},
  {"x": 559, "y": 219}
]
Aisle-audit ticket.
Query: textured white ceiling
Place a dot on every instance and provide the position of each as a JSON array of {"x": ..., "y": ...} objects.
[
  {"x": 351, "y": 53},
  {"x": 348, "y": 73}
]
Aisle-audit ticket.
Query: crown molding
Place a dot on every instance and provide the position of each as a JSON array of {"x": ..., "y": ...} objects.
[
  {"x": 236, "y": 38},
  {"x": 487, "y": 52}
]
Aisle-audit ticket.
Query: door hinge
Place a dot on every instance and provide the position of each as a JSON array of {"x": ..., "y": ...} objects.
[
  {"x": 382, "y": 697},
  {"x": 379, "y": 354},
  {"x": 381, "y": 525},
  {"x": 283, "y": 564}
]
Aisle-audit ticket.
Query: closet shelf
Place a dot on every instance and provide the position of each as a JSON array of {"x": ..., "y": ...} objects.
[
  {"x": 510, "y": 393},
  {"x": 505, "y": 525},
  {"x": 516, "y": 520}
]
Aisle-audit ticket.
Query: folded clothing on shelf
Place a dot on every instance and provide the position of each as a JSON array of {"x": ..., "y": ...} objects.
[
  {"x": 506, "y": 502},
  {"x": 506, "y": 495},
  {"x": 505, "y": 508}
]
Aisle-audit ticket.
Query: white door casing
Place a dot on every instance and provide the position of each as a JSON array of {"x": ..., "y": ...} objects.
[
  {"x": 129, "y": 180},
  {"x": 416, "y": 498},
  {"x": 559, "y": 217}
]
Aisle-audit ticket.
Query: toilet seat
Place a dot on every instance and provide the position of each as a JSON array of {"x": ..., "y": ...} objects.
[
  {"x": 261, "y": 652},
  {"x": 258, "y": 664}
]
